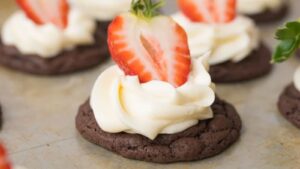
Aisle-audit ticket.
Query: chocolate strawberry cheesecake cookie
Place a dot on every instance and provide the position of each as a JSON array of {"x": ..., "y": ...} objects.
[
  {"x": 157, "y": 104},
  {"x": 289, "y": 100},
  {"x": 4, "y": 161},
  {"x": 237, "y": 52},
  {"x": 103, "y": 11},
  {"x": 264, "y": 11},
  {"x": 39, "y": 41}
]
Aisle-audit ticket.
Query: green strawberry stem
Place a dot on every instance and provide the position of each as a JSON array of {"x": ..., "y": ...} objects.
[
  {"x": 146, "y": 8},
  {"x": 289, "y": 41}
]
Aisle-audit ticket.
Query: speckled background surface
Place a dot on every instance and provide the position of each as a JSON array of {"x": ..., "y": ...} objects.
[{"x": 39, "y": 114}]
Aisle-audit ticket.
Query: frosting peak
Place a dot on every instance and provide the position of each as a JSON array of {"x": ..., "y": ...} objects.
[
  {"x": 228, "y": 42},
  {"x": 102, "y": 10},
  {"x": 258, "y": 6},
  {"x": 47, "y": 40},
  {"x": 122, "y": 104}
]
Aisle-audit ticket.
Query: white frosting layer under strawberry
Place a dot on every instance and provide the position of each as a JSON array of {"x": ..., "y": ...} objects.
[
  {"x": 122, "y": 104},
  {"x": 102, "y": 10},
  {"x": 47, "y": 40},
  {"x": 232, "y": 41},
  {"x": 258, "y": 6},
  {"x": 297, "y": 79}
]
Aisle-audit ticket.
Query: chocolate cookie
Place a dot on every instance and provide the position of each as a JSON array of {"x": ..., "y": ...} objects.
[
  {"x": 270, "y": 15},
  {"x": 206, "y": 139},
  {"x": 289, "y": 104},
  {"x": 103, "y": 25},
  {"x": 68, "y": 61},
  {"x": 253, "y": 66}
]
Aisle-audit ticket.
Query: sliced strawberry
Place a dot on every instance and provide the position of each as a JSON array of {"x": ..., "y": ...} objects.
[
  {"x": 152, "y": 49},
  {"x": 4, "y": 163},
  {"x": 46, "y": 11},
  {"x": 209, "y": 11}
]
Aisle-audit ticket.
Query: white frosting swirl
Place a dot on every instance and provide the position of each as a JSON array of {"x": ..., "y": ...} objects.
[
  {"x": 122, "y": 104},
  {"x": 232, "y": 41},
  {"x": 103, "y": 10},
  {"x": 297, "y": 79},
  {"x": 47, "y": 40},
  {"x": 258, "y": 6}
]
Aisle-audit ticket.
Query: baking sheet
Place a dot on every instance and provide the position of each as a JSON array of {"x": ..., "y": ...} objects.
[{"x": 39, "y": 114}]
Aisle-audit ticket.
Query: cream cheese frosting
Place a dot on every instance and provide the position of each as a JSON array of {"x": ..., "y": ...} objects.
[
  {"x": 122, "y": 104},
  {"x": 47, "y": 40},
  {"x": 102, "y": 10},
  {"x": 232, "y": 41},
  {"x": 258, "y": 6},
  {"x": 297, "y": 79}
]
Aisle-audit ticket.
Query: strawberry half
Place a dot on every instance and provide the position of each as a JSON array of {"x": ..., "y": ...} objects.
[
  {"x": 151, "y": 47},
  {"x": 46, "y": 11},
  {"x": 209, "y": 11},
  {"x": 4, "y": 163}
]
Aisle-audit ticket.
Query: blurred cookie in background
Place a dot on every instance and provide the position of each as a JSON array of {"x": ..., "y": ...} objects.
[{"x": 264, "y": 11}]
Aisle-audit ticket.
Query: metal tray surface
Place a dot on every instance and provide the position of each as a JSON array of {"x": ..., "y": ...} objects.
[{"x": 39, "y": 114}]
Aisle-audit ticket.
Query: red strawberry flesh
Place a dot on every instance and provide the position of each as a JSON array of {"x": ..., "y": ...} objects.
[
  {"x": 209, "y": 11},
  {"x": 46, "y": 11},
  {"x": 153, "y": 49},
  {"x": 4, "y": 163}
]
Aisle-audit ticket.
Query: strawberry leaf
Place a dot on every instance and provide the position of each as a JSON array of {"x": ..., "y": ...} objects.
[
  {"x": 146, "y": 8},
  {"x": 289, "y": 38}
]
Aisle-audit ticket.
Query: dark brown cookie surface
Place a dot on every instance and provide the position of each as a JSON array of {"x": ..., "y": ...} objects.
[
  {"x": 206, "y": 139},
  {"x": 257, "y": 64},
  {"x": 289, "y": 104},
  {"x": 103, "y": 25},
  {"x": 270, "y": 15},
  {"x": 68, "y": 61}
]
